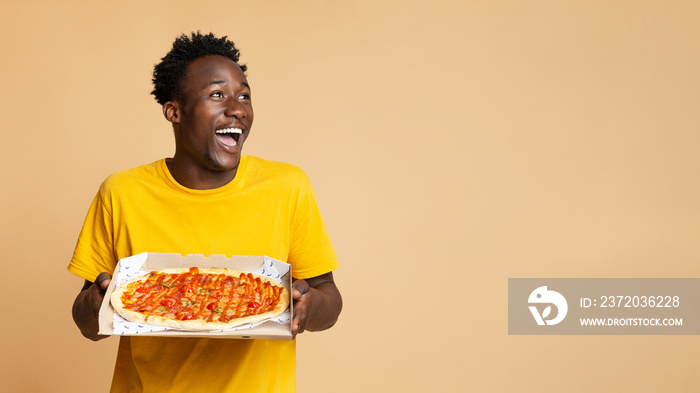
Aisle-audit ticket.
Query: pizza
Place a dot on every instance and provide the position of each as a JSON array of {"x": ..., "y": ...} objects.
[{"x": 199, "y": 298}]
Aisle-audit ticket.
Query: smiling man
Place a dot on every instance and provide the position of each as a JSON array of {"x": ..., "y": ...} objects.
[{"x": 207, "y": 199}]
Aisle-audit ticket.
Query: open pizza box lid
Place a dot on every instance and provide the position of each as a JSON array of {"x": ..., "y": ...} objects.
[{"x": 112, "y": 324}]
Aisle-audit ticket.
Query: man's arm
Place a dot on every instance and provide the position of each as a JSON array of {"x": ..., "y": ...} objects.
[
  {"x": 317, "y": 303},
  {"x": 87, "y": 306}
]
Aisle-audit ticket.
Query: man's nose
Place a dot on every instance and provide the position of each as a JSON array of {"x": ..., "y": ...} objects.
[{"x": 236, "y": 109}]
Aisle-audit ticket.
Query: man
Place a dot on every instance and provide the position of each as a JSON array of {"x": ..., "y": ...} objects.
[{"x": 207, "y": 199}]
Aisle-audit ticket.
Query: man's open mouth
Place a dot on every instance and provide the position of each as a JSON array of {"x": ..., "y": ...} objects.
[{"x": 229, "y": 136}]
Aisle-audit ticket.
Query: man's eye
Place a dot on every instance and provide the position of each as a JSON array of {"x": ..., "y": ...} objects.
[
  {"x": 217, "y": 94},
  {"x": 244, "y": 97}
]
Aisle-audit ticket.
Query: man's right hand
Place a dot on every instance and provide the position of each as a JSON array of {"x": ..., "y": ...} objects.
[{"x": 87, "y": 305}]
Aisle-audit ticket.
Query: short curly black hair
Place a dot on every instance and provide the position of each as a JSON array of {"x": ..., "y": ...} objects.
[{"x": 169, "y": 73}]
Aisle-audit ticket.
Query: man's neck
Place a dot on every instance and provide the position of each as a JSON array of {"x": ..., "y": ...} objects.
[{"x": 196, "y": 178}]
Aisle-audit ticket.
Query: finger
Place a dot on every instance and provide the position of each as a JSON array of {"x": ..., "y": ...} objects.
[
  {"x": 297, "y": 319},
  {"x": 300, "y": 288},
  {"x": 103, "y": 280},
  {"x": 98, "y": 292},
  {"x": 301, "y": 328},
  {"x": 301, "y": 325},
  {"x": 298, "y": 326},
  {"x": 96, "y": 298}
]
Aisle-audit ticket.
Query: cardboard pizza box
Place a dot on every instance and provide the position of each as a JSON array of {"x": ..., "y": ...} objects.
[{"x": 156, "y": 261}]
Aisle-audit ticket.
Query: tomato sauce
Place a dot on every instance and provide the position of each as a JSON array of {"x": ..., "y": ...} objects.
[{"x": 194, "y": 295}]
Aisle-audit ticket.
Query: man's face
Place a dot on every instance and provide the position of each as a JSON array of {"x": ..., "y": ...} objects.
[{"x": 213, "y": 118}]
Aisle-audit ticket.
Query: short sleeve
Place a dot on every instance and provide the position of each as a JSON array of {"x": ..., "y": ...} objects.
[
  {"x": 311, "y": 252},
  {"x": 94, "y": 251}
]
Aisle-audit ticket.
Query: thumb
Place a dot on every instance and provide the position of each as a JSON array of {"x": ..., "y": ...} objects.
[
  {"x": 300, "y": 288},
  {"x": 103, "y": 280}
]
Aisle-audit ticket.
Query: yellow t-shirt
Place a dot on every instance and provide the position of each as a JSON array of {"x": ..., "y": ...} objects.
[{"x": 268, "y": 209}]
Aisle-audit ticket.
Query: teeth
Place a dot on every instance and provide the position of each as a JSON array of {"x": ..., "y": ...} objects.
[{"x": 230, "y": 131}]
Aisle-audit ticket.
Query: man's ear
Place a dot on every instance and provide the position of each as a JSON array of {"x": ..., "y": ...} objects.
[{"x": 171, "y": 111}]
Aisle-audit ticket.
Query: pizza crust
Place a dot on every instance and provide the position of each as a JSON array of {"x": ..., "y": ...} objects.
[{"x": 198, "y": 325}]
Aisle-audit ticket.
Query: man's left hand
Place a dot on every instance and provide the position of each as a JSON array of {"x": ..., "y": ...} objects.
[{"x": 317, "y": 304}]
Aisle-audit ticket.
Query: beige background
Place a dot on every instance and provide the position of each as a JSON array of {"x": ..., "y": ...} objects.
[{"x": 452, "y": 144}]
